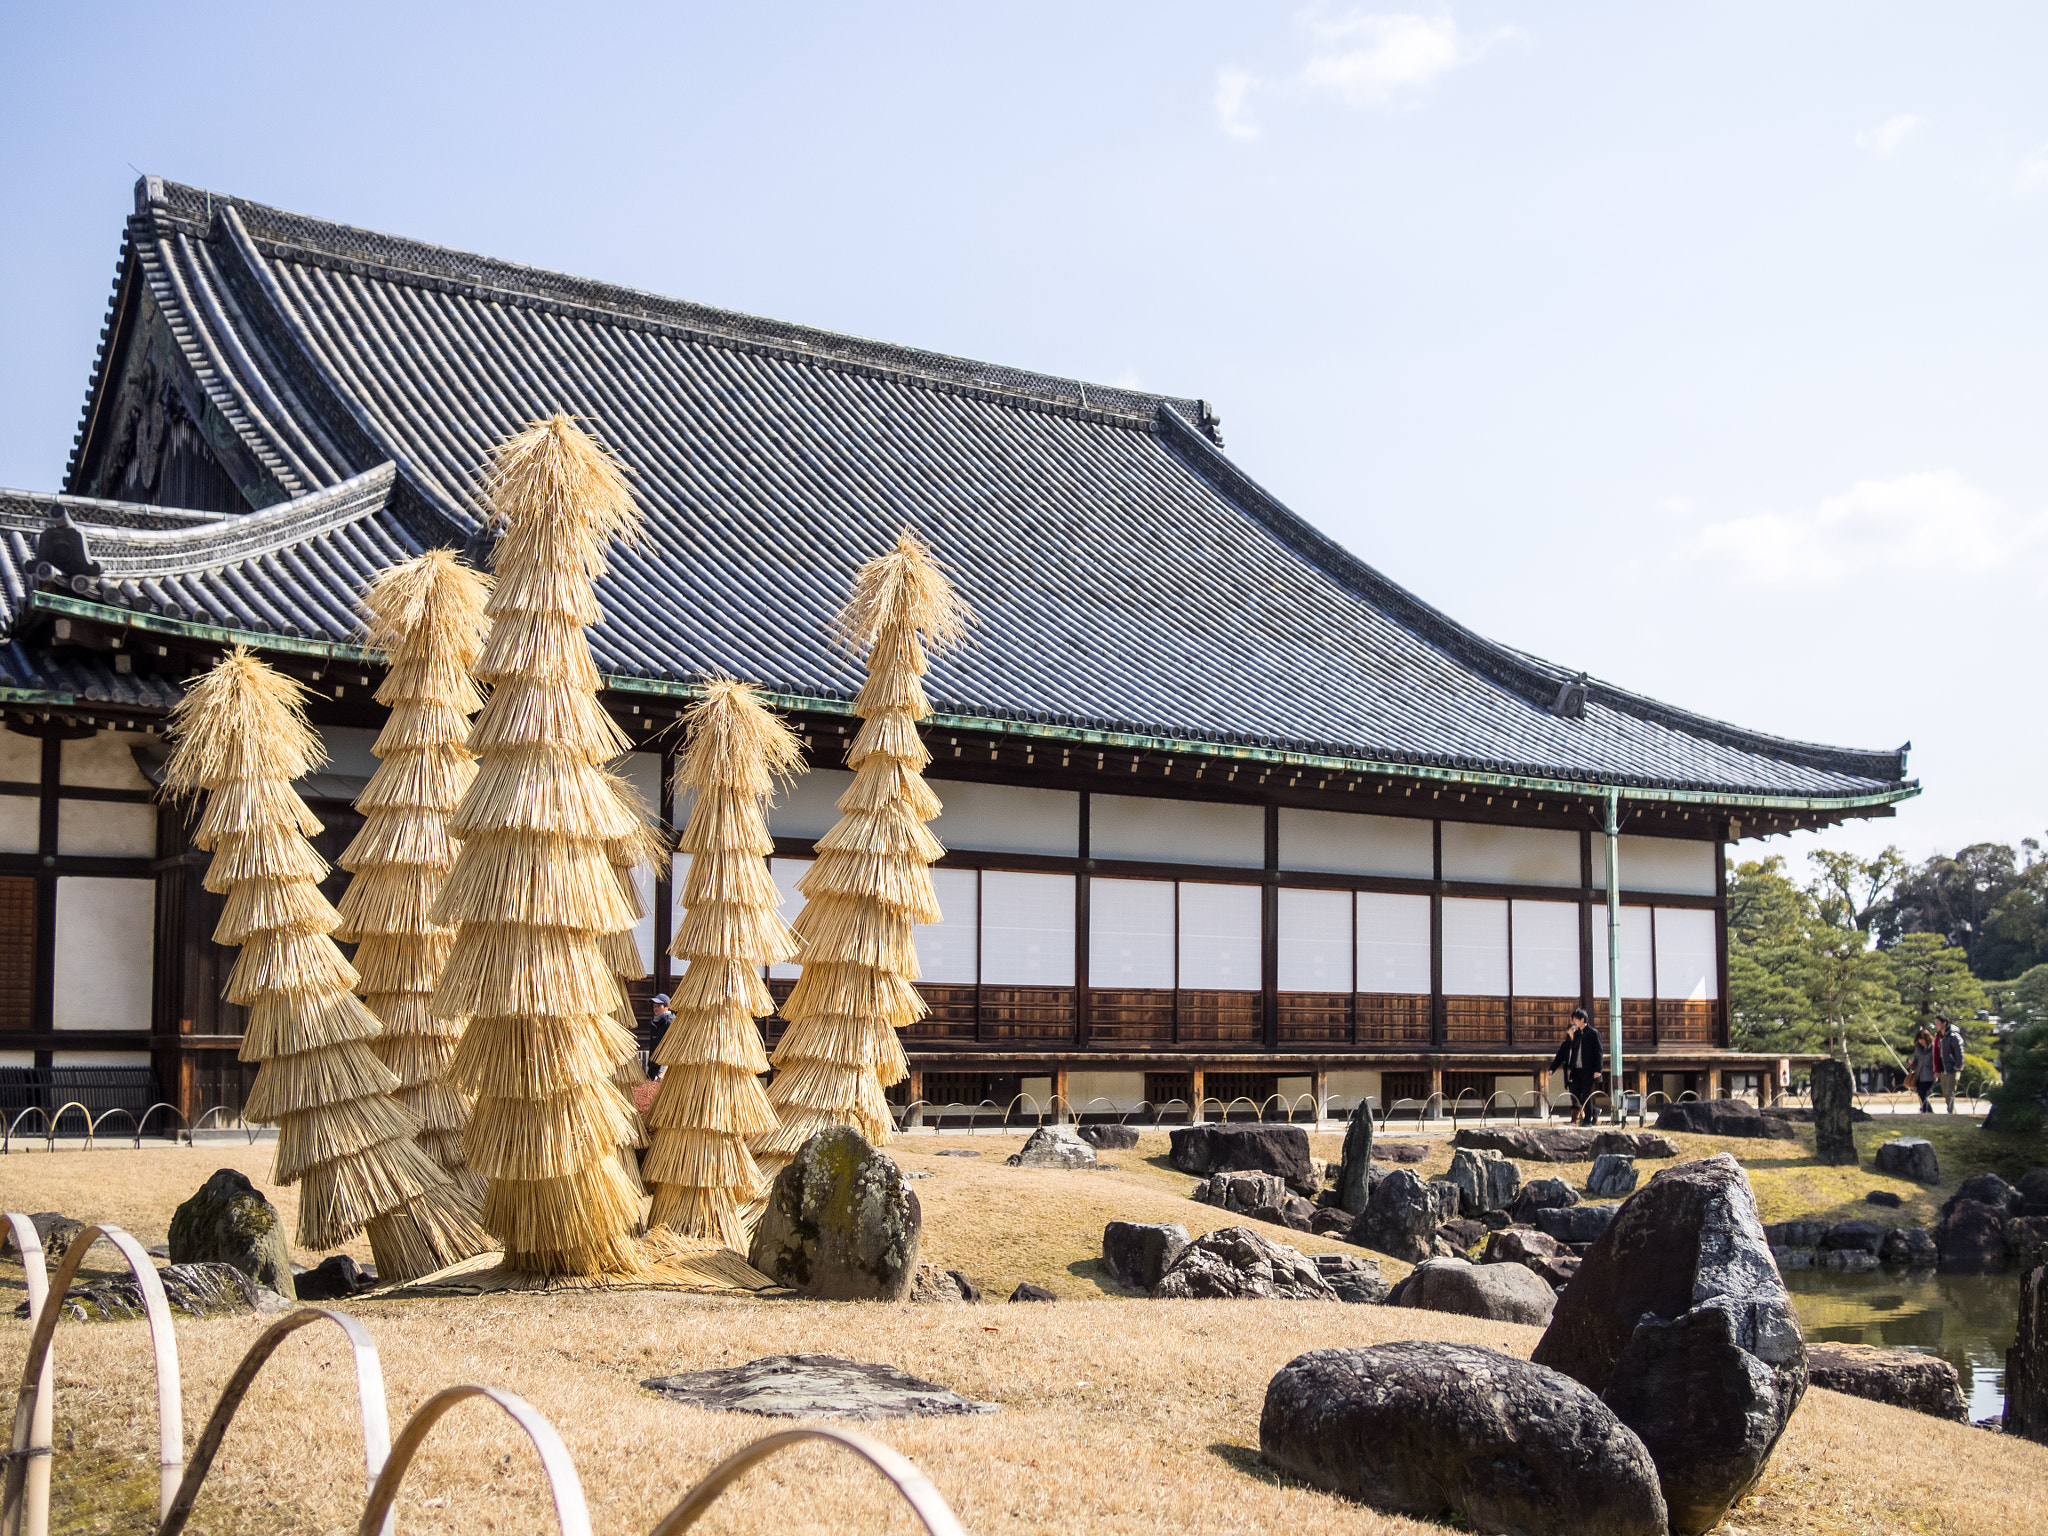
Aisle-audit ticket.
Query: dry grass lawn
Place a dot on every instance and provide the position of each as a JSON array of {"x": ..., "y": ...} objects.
[{"x": 1123, "y": 1415}]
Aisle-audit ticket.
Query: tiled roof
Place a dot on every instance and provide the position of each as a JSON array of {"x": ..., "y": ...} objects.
[{"x": 1128, "y": 575}]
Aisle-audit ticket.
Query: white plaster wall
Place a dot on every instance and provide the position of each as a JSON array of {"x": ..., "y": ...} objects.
[
  {"x": 103, "y": 761},
  {"x": 106, "y": 944},
  {"x": 808, "y": 807},
  {"x": 1517, "y": 855},
  {"x": 21, "y": 757},
  {"x": 17, "y": 1058},
  {"x": 19, "y": 824},
  {"x": 1345, "y": 843},
  {"x": 1176, "y": 831},
  {"x": 1520, "y": 1087},
  {"x": 1293, "y": 1090},
  {"x": 1352, "y": 1088},
  {"x": 1123, "y": 1090},
  {"x": 100, "y": 1059},
  {"x": 1660, "y": 864},
  {"x": 106, "y": 829},
  {"x": 1035, "y": 1091},
  {"x": 1006, "y": 818}
]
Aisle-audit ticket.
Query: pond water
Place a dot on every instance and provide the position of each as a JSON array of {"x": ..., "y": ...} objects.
[{"x": 1968, "y": 1320}]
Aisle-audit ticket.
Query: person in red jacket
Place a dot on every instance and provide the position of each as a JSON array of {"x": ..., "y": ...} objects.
[{"x": 1580, "y": 1060}]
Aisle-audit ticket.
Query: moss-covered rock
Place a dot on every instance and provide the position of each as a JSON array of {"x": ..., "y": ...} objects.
[
  {"x": 841, "y": 1223},
  {"x": 229, "y": 1222}
]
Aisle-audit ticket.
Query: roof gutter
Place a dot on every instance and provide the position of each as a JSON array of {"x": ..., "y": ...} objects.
[{"x": 1123, "y": 741}]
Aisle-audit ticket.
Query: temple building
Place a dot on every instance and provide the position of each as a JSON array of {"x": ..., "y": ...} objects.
[{"x": 1228, "y": 813}]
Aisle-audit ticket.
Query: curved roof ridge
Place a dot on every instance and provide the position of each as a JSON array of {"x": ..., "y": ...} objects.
[{"x": 160, "y": 552}]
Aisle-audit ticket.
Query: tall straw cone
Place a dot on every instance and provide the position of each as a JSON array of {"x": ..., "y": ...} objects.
[
  {"x": 534, "y": 892},
  {"x": 427, "y": 617},
  {"x": 344, "y": 1136},
  {"x": 710, "y": 1103},
  {"x": 871, "y": 884}
]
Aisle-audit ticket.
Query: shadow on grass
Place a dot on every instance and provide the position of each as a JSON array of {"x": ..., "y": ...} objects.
[
  {"x": 1245, "y": 1459},
  {"x": 1096, "y": 1271}
]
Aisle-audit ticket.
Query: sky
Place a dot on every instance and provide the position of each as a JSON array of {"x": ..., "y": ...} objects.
[{"x": 1698, "y": 347}]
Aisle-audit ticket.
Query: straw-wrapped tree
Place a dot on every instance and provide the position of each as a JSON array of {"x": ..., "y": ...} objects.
[
  {"x": 533, "y": 890},
  {"x": 710, "y": 1103},
  {"x": 427, "y": 616},
  {"x": 871, "y": 884},
  {"x": 343, "y": 1136}
]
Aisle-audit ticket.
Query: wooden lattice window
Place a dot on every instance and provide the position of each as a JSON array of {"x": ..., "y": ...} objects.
[{"x": 17, "y": 952}]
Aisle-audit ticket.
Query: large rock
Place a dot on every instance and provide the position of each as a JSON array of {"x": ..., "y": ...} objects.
[
  {"x": 1538, "y": 1195},
  {"x": 1501, "y": 1293},
  {"x": 54, "y": 1230},
  {"x": 1352, "y": 1278},
  {"x": 229, "y": 1222},
  {"x": 1834, "y": 1097},
  {"x": 1402, "y": 1217},
  {"x": 1241, "y": 1193},
  {"x": 1924, "y": 1383},
  {"x": 1987, "y": 1189},
  {"x": 1613, "y": 1176},
  {"x": 2026, "y": 1241},
  {"x": 1866, "y": 1235},
  {"x": 1635, "y": 1144},
  {"x": 190, "y": 1290},
  {"x": 1679, "y": 1320},
  {"x": 2026, "y": 1363},
  {"x": 1436, "y": 1430},
  {"x": 1486, "y": 1180},
  {"x": 841, "y": 1223},
  {"x": 1053, "y": 1146},
  {"x": 1402, "y": 1151},
  {"x": 1354, "y": 1171},
  {"x": 1910, "y": 1157},
  {"x": 1137, "y": 1253},
  {"x": 814, "y": 1387},
  {"x": 1540, "y": 1143},
  {"x": 1970, "y": 1238},
  {"x": 1280, "y": 1149},
  {"x": 1235, "y": 1262},
  {"x": 1575, "y": 1223},
  {"x": 1909, "y": 1248},
  {"x": 1518, "y": 1245},
  {"x": 1293, "y": 1213},
  {"x": 1724, "y": 1117},
  {"x": 2033, "y": 1192},
  {"x": 1796, "y": 1234},
  {"x": 1110, "y": 1138}
]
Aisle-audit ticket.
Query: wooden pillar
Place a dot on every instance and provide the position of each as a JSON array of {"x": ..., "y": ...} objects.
[
  {"x": 1713, "y": 1083},
  {"x": 1062, "y": 1111},
  {"x": 1436, "y": 1087},
  {"x": 1195, "y": 1093},
  {"x": 1319, "y": 1085},
  {"x": 1543, "y": 1091}
]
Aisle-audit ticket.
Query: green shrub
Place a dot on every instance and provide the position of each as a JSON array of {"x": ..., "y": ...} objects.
[{"x": 1978, "y": 1076}]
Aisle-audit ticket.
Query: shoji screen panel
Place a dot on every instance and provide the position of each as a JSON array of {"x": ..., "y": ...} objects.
[
  {"x": 1317, "y": 965},
  {"x": 1392, "y": 1001},
  {"x": 1638, "y": 974},
  {"x": 1221, "y": 977},
  {"x": 1475, "y": 971},
  {"x": 949, "y": 958},
  {"x": 1688, "y": 975},
  {"x": 1130, "y": 961},
  {"x": 1546, "y": 969},
  {"x": 1027, "y": 956}
]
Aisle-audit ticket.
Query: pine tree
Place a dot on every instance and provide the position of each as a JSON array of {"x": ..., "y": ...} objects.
[
  {"x": 427, "y": 616},
  {"x": 343, "y": 1137},
  {"x": 871, "y": 884},
  {"x": 533, "y": 890},
  {"x": 710, "y": 1102}
]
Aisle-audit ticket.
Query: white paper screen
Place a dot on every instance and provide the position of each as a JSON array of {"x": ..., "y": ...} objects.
[
  {"x": 947, "y": 949},
  {"x": 1346, "y": 843},
  {"x": 1393, "y": 943},
  {"x": 1315, "y": 941},
  {"x": 1027, "y": 929},
  {"x": 1176, "y": 831},
  {"x": 786, "y": 873},
  {"x": 1130, "y": 933},
  {"x": 1546, "y": 949},
  {"x": 1635, "y": 950},
  {"x": 1475, "y": 947},
  {"x": 1219, "y": 937},
  {"x": 1688, "y": 956}
]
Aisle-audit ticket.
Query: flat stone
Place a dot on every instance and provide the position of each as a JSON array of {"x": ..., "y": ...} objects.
[
  {"x": 1884, "y": 1197},
  {"x": 1352, "y": 1278},
  {"x": 1910, "y": 1157},
  {"x": 1500, "y": 1293},
  {"x": 1274, "y": 1149},
  {"x": 1576, "y": 1223},
  {"x": 1137, "y": 1253},
  {"x": 1053, "y": 1146},
  {"x": 1613, "y": 1176},
  {"x": 1635, "y": 1144},
  {"x": 955, "y": 1152},
  {"x": 1902, "y": 1377},
  {"x": 1519, "y": 1245},
  {"x": 1026, "y": 1291},
  {"x": 1834, "y": 1094},
  {"x": 1540, "y": 1143},
  {"x": 1110, "y": 1138},
  {"x": 1725, "y": 1117},
  {"x": 230, "y": 1222},
  {"x": 1486, "y": 1180},
  {"x": 1867, "y": 1235},
  {"x": 1402, "y": 1151},
  {"x": 1331, "y": 1221},
  {"x": 1462, "y": 1234},
  {"x": 1236, "y": 1262},
  {"x": 814, "y": 1387},
  {"x": 841, "y": 1223},
  {"x": 1441, "y": 1430},
  {"x": 190, "y": 1290}
]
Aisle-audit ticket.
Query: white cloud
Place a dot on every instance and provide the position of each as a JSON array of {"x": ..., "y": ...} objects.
[
  {"x": 1381, "y": 61},
  {"x": 1890, "y": 134},
  {"x": 2033, "y": 172},
  {"x": 1930, "y": 525},
  {"x": 1233, "y": 86}
]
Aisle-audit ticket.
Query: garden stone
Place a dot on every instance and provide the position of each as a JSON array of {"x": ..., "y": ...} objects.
[
  {"x": 1403, "y": 1151},
  {"x": 1026, "y": 1291},
  {"x": 1987, "y": 1189},
  {"x": 1539, "y": 1143},
  {"x": 841, "y": 1223},
  {"x": 814, "y": 1387},
  {"x": 55, "y": 1231},
  {"x": 1137, "y": 1253},
  {"x": 1909, "y": 1248},
  {"x": 1235, "y": 1262},
  {"x": 334, "y": 1278},
  {"x": 1884, "y": 1197},
  {"x": 2026, "y": 1363},
  {"x": 1541, "y": 1194},
  {"x": 1110, "y": 1138},
  {"x": 1613, "y": 1176},
  {"x": 1275, "y": 1149},
  {"x": 1902, "y": 1377},
  {"x": 1834, "y": 1095},
  {"x": 1403, "y": 1216},
  {"x": 2026, "y": 1241},
  {"x": 1724, "y": 1117},
  {"x": 1500, "y": 1293},
  {"x": 1576, "y": 1223},
  {"x": 1635, "y": 1144},
  {"x": 1910, "y": 1157},
  {"x": 229, "y": 1222},
  {"x": 1442, "y": 1430},
  {"x": 1970, "y": 1239},
  {"x": 190, "y": 1290},
  {"x": 1352, "y": 1278},
  {"x": 1559, "y": 1271},
  {"x": 1845, "y": 1261},
  {"x": 1519, "y": 1245},
  {"x": 1053, "y": 1146},
  {"x": 2033, "y": 1192},
  {"x": 1461, "y": 1234},
  {"x": 933, "y": 1284},
  {"x": 1331, "y": 1221},
  {"x": 1243, "y": 1193},
  {"x": 1679, "y": 1319},
  {"x": 1796, "y": 1234},
  {"x": 1285, "y": 1215},
  {"x": 1793, "y": 1258},
  {"x": 1354, "y": 1179},
  {"x": 1486, "y": 1180},
  {"x": 1867, "y": 1235},
  {"x": 955, "y": 1152}
]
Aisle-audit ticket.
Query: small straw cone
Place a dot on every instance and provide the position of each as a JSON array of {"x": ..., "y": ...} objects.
[
  {"x": 343, "y": 1134},
  {"x": 871, "y": 884},
  {"x": 534, "y": 891},
  {"x": 427, "y": 617},
  {"x": 710, "y": 1103}
]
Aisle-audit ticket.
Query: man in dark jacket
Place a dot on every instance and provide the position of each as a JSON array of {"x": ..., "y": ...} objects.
[
  {"x": 1580, "y": 1060},
  {"x": 1949, "y": 1042}
]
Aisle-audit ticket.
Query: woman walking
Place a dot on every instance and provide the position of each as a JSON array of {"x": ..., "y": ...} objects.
[{"x": 1925, "y": 1066}]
